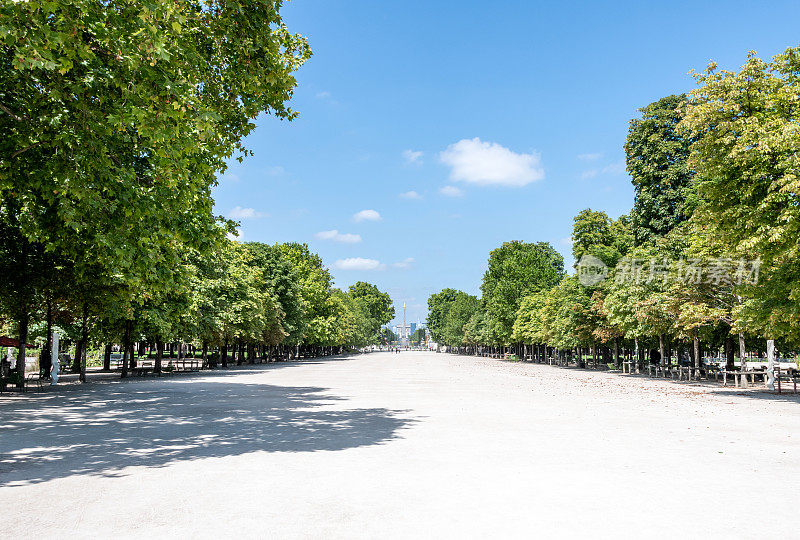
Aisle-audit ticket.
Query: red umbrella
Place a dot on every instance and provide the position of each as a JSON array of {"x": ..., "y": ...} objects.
[{"x": 10, "y": 342}]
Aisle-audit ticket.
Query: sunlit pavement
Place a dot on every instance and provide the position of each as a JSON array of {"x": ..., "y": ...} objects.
[{"x": 398, "y": 445}]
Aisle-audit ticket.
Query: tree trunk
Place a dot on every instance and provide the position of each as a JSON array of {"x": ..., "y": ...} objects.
[
  {"x": 76, "y": 358},
  {"x": 636, "y": 353},
  {"x": 224, "y": 354},
  {"x": 661, "y": 349},
  {"x": 771, "y": 364},
  {"x": 84, "y": 342},
  {"x": 23, "y": 337},
  {"x": 205, "y": 354},
  {"x": 125, "y": 347},
  {"x": 742, "y": 360},
  {"x": 617, "y": 361},
  {"x": 698, "y": 363},
  {"x": 159, "y": 355},
  {"x": 46, "y": 358},
  {"x": 729, "y": 352},
  {"x": 132, "y": 348},
  {"x": 107, "y": 357}
]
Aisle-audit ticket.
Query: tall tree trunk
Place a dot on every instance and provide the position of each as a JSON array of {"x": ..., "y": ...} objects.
[
  {"x": 742, "y": 359},
  {"x": 771, "y": 364},
  {"x": 125, "y": 345},
  {"x": 636, "y": 353},
  {"x": 46, "y": 358},
  {"x": 76, "y": 358},
  {"x": 617, "y": 361},
  {"x": 224, "y": 353},
  {"x": 698, "y": 363},
  {"x": 661, "y": 349},
  {"x": 23, "y": 337},
  {"x": 107, "y": 357},
  {"x": 205, "y": 354},
  {"x": 729, "y": 352},
  {"x": 159, "y": 355},
  {"x": 84, "y": 341},
  {"x": 132, "y": 348}
]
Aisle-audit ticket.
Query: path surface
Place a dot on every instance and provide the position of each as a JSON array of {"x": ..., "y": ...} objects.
[{"x": 409, "y": 445}]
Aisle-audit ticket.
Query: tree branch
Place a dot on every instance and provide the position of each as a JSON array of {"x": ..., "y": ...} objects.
[
  {"x": 11, "y": 113},
  {"x": 23, "y": 150}
]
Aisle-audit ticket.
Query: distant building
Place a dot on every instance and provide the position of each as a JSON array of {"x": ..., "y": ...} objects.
[{"x": 403, "y": 332}]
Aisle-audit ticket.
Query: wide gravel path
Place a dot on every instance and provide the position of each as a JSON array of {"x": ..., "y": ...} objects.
[{"x": 412, "y": 445}]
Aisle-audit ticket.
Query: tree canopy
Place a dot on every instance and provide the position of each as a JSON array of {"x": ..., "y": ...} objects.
[{"x": 657, "y": 153}]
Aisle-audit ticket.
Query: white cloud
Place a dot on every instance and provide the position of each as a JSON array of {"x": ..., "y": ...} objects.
[
  {"x": 590, "y": 157},
  {"x": 614, "y": 168},
  {"x": 405, "y": 263},
  {"x": 324, "y": 94},
  {"x": 336, "y": 236},
  {"x": 566, "y": 241},
  {"x": 487, "y": 163},
  {"x": 358, "y": 263},
  {"x": 229, "y": 177},
  {"x": 240, "y": 212},
  {"x": 276, "y": 170},
  {"x": 410, "y": 195},
  {"x": 367, "y": 215},
  {"x": 611, "y": 169},
  {"x": 236, "y": 236},
  {"x": 413, "y": 157},
  {"x": 451, "y": 191}
]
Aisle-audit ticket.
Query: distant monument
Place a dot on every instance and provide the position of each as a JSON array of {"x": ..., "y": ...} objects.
[{"x": 403, "y": 334}]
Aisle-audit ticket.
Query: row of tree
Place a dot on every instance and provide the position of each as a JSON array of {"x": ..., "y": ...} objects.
[
  {"x": 708, "y": 260},
  {"x": 117, "y": 118}
]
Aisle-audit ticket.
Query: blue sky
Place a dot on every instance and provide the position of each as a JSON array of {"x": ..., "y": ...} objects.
[{"x": 503, "y": 118}]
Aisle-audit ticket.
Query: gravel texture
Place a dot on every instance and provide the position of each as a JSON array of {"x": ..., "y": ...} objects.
[{"x": 383, "y": 445}]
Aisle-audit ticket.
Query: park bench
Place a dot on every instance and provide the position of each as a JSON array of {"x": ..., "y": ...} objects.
[
  {"x": 187, "y": 364},
  {"x": 141, "y": 371},
  {"x": 786, "y": 375},
  {"x": 655, "y": 370},
  {"x": 13, "y": 379},
  {"x": 749, "y": 376},
  {"x": 628, "y": 367},
  {"x": 34, "y": 378}
]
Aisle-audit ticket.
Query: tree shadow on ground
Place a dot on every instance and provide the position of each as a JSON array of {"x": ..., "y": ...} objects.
[
  {"x": 710, "y": 386},
  {"x": 95, "y": 375},
  {"x": 104, "y": 428}
]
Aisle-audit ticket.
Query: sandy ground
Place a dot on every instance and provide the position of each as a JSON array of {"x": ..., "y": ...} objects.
[{"x": 410, "y": 445}]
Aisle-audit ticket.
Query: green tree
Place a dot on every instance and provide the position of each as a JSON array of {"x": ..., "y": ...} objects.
[
  {"x": 744, "y": 126},
  {"x": 315, "y": 285},
  {"x": 279, "y": 277},
  {"x": 459, "y": 312},
  {"x": 116, "y": 118},
  {"x": 657, "y": 153},
  {"x": 516, "y": 269},
  {"x": 475, "y": 331},
  {"x": 377, "y": 307},
  {"x": 418, "y": 337},
  {"x": 438, "y": 306}
]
